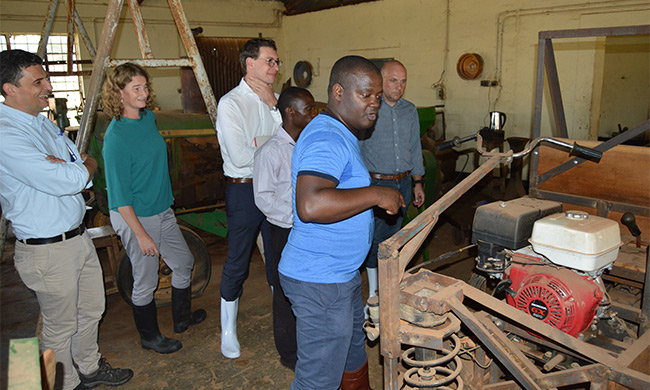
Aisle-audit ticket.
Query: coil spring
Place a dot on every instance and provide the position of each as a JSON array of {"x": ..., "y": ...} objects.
[{"x": 431, "y": 373}]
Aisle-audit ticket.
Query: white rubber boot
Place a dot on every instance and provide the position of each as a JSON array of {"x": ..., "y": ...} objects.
[
  {"x": 373, "y": 285},
  {"x": 229, "y": 343}
]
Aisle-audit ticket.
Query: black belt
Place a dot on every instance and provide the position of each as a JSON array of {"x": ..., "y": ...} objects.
[{"x": 65, "y": 236}]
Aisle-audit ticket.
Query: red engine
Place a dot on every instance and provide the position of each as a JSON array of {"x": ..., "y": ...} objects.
[{"x": 558, "y": 296}]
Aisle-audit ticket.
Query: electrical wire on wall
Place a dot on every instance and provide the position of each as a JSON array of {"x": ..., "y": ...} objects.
[{"x": 440, "y": 84}]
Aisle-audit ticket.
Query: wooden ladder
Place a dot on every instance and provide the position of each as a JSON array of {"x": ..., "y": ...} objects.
[{"x": 102, "y": 61}]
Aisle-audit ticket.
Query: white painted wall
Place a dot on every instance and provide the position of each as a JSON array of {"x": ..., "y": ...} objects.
[{"x": 428, "y": 36}]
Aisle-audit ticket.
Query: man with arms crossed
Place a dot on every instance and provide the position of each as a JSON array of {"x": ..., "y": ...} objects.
[
  {"x": 393, "y": 154},
  {"x": 42, "y": 175},
  {"x": 272, "y": 187},
  {"x": 246, "y": 116},
  {"x": 332, "y": 232}
]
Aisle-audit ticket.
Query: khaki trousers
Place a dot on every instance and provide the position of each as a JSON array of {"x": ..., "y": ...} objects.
[{"x": 67, "y": 279}]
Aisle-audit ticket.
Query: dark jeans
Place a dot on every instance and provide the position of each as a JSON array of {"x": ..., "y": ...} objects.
[
  {"x": 284, "y": 321},
  {"x": 387, "y": 225},
  {"x": 244, "y": 223},
  {"x": 329, "y": 331}
]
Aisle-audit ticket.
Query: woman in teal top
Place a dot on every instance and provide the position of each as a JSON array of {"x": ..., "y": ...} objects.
[{"x": 140, "y": 199}]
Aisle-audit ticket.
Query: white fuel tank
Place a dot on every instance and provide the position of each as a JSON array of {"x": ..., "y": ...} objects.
[{"x": 577, "y": 240}]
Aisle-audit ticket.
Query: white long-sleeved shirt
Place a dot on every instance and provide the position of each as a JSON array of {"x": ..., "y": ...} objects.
[
  {"x": 40, "y": 198},
  {"x": 243, "y": 121},
  {"x": 272, "y": 179}
]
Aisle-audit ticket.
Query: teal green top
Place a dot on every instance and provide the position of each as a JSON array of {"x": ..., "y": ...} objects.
[{"x": 135, "y": 160}]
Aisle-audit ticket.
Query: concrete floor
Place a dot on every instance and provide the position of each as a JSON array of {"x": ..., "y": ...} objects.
[{"x": 199, "y": 365}]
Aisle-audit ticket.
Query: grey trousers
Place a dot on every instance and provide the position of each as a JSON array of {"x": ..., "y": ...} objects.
[
  {"x": 67, "y": 279},
  {"x": 164, "y": 231}
]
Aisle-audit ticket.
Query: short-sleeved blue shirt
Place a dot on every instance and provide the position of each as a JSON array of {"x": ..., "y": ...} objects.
[{"x": 328, "y": 252}]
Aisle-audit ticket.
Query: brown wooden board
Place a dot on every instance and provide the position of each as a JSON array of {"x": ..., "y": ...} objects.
[{"x": 623, "y": 175}]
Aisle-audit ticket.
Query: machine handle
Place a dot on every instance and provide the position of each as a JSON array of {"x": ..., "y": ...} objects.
[
  {"x": 585, "y": 152},
  {"x": 455, "y": 142},
  {"x": 628, "y": 220}
]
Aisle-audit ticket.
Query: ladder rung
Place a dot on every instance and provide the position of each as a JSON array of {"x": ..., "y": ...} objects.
[{"x": 154, "y": 63}]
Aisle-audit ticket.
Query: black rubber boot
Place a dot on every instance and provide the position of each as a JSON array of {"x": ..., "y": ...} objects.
[
  {"x": 182, "y": 310},
  {"x": 146, "y": 320}
]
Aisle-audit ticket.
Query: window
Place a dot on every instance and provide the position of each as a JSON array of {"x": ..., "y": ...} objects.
[{"x": 68, "y": 87}]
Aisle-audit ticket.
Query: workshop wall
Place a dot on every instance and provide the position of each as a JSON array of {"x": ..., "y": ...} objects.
[
  {"x": 218, "y": 18},
  {"x": 428, "y": 36}
]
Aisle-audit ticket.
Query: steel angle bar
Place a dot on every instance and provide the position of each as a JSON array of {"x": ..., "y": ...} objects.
[
  {"x": 596, "y": 32},
  {"x": 584, "y": 374},
  {"x": 605, "y": 146},
  {"x": 501, "y": 352},
  {"x": 554, "y": 90},
  {"x": 153, "y": 63}
]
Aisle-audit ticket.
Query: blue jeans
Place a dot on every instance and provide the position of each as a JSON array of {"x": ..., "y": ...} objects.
[
  {"x": 244, "y": 223},
  {"x": 329, "y": 321},
  {"x": 387, "y": 225}
]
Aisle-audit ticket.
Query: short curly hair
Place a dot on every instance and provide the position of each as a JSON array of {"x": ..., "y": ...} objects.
[{"x": 116, "y": 81}]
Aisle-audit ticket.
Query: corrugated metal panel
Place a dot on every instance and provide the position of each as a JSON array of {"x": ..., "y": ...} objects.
[
  {"x": 295, "y": 7},
  {"x": 221, "y": 60}
]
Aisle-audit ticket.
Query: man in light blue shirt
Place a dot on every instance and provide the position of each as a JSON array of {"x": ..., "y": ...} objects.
[{"x": 42, "y": 175}]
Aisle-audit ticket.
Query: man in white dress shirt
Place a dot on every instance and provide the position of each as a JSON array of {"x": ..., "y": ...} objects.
[{"x": 246, "y": 116}]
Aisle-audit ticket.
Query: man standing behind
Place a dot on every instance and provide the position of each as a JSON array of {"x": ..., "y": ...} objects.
[
  {"x": 332, "y": 232},
  {"x": 272, "y": 187},
  {"x": 393, "y": 154},
  {"x": 246, "y": 116},
  {"x": 42, "y": 175}
]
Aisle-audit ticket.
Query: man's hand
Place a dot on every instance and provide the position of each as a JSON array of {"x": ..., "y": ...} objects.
[
  {"x": 418, "y": 195},
  {"x": 389, "y": 199},
  {"x": 263, "y": 90},
  {"x": 90, "y": 164},
  {"x": 54, "y": 159}
]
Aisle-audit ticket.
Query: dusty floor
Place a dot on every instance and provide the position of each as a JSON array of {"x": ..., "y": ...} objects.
[{"x": 199, "y": 365}]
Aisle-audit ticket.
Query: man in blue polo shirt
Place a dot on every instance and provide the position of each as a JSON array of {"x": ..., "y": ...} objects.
[{"x": 332, "y": 231}]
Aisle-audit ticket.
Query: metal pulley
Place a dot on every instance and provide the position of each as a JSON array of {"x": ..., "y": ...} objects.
[{"x": 302, "y": 73}]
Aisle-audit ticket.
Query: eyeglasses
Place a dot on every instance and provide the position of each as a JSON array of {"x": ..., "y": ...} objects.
[{"x": 271, "y": 62}]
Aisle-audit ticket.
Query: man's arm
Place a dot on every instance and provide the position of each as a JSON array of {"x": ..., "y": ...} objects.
[
  {"x": 88, "y": 162},
  {"x": 318, "y": 200},
  {"x": 29, "y": 165},
  {"x": 231, "y": 134}
]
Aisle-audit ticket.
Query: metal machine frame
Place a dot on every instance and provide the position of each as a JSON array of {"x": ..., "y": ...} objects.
[{"x": 438, "y": 299}]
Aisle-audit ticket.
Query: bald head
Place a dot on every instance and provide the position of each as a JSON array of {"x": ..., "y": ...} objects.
[{"x": 393, "y": 75}]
